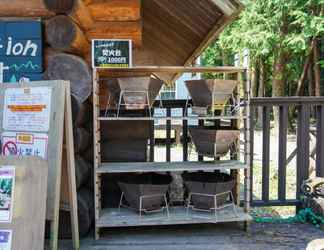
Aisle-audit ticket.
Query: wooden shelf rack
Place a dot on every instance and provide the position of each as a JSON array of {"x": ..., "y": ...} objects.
[{"x": 113, "y": 217}]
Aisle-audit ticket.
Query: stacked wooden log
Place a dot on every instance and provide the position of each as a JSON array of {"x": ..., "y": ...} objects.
[
  {"x": 66, "y": 58},
  {"x": 69, "y": 26}
]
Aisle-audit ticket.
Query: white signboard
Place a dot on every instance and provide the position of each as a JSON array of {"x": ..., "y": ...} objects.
[
  {"x": 5, "y": 239},
  {"x": 7, "y": 183},
  {"x": 27, "y": 109},
  {"x": 30, "y": 144}
]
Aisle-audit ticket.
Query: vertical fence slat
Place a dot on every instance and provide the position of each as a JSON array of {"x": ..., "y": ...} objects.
[
  {"x": 251, "y": 150},
  {"x": 319, "y": 141},
  {"x": 282, "y": 149},
  {"x": 168, "y": 136},
  {"x": 185, "y": 136},
  {"x": 302, "y": 146},
  {"x": 152, "y": 141},
  {"x": 265, "y": 153},
  {"x": 201, "y": 123}
]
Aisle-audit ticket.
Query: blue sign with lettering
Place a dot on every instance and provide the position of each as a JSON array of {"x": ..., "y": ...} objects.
[{"x": 20, "y": 50}]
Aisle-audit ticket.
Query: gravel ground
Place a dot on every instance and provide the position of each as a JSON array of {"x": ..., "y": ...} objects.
[{"x": 207, "y": 237}]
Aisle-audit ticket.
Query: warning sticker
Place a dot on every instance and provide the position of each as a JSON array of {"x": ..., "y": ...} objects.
[
  {"x": 24, "y": 144},
  {"x": 27, "y": 109}
]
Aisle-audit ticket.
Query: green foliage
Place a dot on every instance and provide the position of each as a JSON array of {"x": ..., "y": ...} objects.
[{"x": 268, "y": 28}]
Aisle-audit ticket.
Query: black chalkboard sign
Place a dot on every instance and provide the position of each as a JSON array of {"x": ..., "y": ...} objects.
[{"x": 111, "y": 53}]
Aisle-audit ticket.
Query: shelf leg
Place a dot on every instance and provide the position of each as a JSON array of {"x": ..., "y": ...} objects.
[
  {"x": 97, "y": 233},
  {"x": 247, "y": 226}
]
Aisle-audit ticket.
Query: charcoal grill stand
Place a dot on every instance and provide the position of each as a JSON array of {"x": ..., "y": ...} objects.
[
  {"x": 141, "y": 209},
  {"x": 123, "y": 92},
  {"x": 216, "y": 208},
  {"x": 109, "y": 218}
]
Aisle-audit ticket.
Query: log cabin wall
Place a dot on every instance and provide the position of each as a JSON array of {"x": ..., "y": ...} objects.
[{"x": 163, "y": 32}]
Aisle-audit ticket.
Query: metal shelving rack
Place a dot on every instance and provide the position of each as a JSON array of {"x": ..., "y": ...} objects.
[{"x": 110, "y": 217}]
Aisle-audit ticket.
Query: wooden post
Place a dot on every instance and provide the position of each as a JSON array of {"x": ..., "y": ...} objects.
[
  {"x": 71, "y": 169},
  {"x": 96, "y": 145},
  {"x": 248, "y": 159}
]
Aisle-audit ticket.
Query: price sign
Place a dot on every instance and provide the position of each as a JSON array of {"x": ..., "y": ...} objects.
[{"x": 111, "y": 53}]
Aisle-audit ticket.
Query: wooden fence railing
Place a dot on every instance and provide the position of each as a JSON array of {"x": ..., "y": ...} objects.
[{"x": 306, "y": 112}]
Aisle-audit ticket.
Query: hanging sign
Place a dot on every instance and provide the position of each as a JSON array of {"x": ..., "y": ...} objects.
[
  {"x": 111, "y": 53},
  {"x": 24, "y": 144},
  {"x": 27, "y": 109},
  {"x": 5, "y": 239},
  {"x": 20, "y": 50},
  {"x": 7, "y": 182}
]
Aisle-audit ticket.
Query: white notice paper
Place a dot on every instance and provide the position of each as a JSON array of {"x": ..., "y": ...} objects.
[{"x": 27, "y": 109}]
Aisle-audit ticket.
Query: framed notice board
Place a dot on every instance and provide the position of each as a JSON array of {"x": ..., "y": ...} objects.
[
  {"x": 22, "y": 202},
  {"x": 108, "y": 53},
  {"x": 34, "y": 119}
]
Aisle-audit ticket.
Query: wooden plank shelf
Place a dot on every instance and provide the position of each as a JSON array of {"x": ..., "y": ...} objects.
[
  {"x": 182, "y": 118},
  {"x": 112, "y": 217},
  {"x": 135, "y": 167},
  {"x": 106, "y": 217}
]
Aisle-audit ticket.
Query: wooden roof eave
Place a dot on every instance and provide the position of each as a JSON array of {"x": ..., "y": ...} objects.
[{"x": 226, "y": 19}]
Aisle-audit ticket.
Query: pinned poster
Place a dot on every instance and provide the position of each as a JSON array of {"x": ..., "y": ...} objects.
[
  {"x": 37, "y": 121},
  {"x": 7, "y": 182},
  {"x": 27, "y": 109},
  {"x": 5, "y": 239},
  {"x": 25, "y": 144}
]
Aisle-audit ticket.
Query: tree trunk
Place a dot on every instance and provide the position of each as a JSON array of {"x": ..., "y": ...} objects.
[
  {"x": 261, "y": 89},
  {"x": 278, "y": 86},
  {"x": 65, "y": 35},
  {"x": 310, "y": 75},
  {"x": 317, "y": 70},
  {"x": 254, "y": 80},
  {"x": 301, "y": 81},
  {"x": 71, "y": 68}
]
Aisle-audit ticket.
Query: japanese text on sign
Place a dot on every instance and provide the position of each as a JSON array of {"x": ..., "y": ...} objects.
[
  {"x": 27, "y": 109},
  {"x": 111, "y": 53},
  {"x": 24, "y": 144}
]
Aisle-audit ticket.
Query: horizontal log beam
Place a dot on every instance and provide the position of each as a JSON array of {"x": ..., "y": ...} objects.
[
  {"x": 59, "y": 6},
  {"x": 71, "y": 68},
  {"x": 63, "y": 34},
  {"x": 117, "y": 30},
  {"x": 76, "y": 9},
  {"x": 116, "y": 10},
  {"x": 23, "y": 8},
  {"x": 81, "y": 15}
]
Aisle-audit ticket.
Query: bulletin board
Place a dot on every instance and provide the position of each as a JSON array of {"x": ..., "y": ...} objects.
[
  {"x": 36, "y": 120},
  {"x": 23, "y": 202}
]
